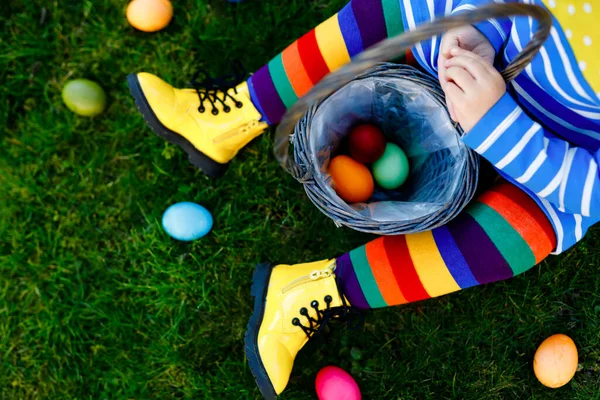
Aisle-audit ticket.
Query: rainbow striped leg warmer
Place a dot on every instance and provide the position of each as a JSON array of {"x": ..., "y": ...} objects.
[
  {"x": 500, "y": 235},
  {"x": 360, "y": 24}
]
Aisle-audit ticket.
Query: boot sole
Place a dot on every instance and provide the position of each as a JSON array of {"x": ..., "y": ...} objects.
[
  {"x": 260, "y": 284},
  {"x": 200, "y": 160}
]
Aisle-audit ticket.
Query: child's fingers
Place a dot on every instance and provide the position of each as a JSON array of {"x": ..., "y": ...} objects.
[
  {"x": 450, "y": 105},
  {"x": 473, "y": 66},
  {"x": 442, "y": 69},
  {"x": 461, "y": 77},
  {"x": 449, "y": 41},
  {"x": 453, "y": 91},
  {"x": 458, "y": 52},
  {"x": 443, "y": 83}
]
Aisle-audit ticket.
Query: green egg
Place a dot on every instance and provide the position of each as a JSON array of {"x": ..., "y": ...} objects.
[
  {"x": 84, "y": 97},
  {"x": 391, "y": 170}
]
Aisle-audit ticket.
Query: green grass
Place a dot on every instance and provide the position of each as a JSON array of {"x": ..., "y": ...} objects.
[{"x": 97, "y": 302}]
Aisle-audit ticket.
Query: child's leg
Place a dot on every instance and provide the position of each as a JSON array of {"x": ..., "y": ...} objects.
[
  {"x": 212, "y": 126},
  {"x": 502, "y": 234},
  {"x": 291, "y": 74}
]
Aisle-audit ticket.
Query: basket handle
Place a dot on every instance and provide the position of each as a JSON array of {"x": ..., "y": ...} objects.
[{"x": 394, "y": 47}]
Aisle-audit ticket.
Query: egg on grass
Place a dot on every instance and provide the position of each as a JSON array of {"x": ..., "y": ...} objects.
[
  {"x": 84, "y": 97},
  {"x": 187, "y": 221},
  {"x": 149, "y": 15},
  {"x": 333, "y": 383},
  {"x": 555, "y": 361}
]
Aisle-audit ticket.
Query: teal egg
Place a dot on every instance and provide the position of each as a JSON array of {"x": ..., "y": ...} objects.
[
  {"x": 391, "y": 170},
  {"x": 187, "y": 221}
]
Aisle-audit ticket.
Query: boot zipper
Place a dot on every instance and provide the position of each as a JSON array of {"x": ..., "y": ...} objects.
[
  {"x": 240, "y": 130},
  {"x": 313, "y": 276}
]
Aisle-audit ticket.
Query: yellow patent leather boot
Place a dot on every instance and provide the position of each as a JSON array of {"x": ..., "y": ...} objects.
[
  {"x": 211, "y": 123},
  {"x": 291, "y": 303}
]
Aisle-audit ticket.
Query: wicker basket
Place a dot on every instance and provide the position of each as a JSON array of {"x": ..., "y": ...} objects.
[{"x": 309, "y": 162}]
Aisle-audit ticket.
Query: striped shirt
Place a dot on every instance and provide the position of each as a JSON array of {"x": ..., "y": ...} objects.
[{"x": 544, "y": 133}]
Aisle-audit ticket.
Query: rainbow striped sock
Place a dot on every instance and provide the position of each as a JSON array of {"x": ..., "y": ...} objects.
[
  {"x": 360, "y": 24},
  {"x": 502, "y": 234}
]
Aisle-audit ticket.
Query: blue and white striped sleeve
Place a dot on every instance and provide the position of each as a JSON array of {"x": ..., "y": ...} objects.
[
  {"x": 495, "y": 30},
  {"x": 563, "y": 174}
]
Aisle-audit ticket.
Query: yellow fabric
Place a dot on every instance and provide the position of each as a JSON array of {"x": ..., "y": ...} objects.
[
  {"x": 218, "y": 136},
  {"x": 290, "y": 289},
  {"x": 429, "y": 264},
  {"x": 580, "y": 20},
  {"x": 331, "y": 43}
]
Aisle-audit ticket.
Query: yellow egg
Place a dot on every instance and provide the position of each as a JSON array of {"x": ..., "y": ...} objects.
[
  {"x": 149, "y": 15},
  {"x": 555, "y": 361},
  {"x": 352, "y": 181}
]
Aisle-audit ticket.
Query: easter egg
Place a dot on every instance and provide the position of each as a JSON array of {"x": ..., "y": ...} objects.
[
  {"x": 352, "y": 181},
  {"x": 334, "y": 383},
  {"x": 367, "y": 143},
  {"x": 555, "y": 361},
  {"x": 149, "y": 15},
  {"x": 84, "y": 97},
  {"x": 391, "y": 170},
  {"x": 187, "y": 221}
]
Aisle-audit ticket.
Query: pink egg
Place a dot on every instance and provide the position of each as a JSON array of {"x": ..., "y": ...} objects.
[{"x": 334, "y": 383}]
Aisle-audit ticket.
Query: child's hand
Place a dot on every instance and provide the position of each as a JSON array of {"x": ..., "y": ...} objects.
[
  {"x": 467, "y": 38},
  {"x": 472, "y": 86}
]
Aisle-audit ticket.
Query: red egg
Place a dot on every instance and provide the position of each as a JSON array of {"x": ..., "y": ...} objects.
[{"x": 367, "y": 143}]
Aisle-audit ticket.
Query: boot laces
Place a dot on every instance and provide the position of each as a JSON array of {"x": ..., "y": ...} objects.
[
  {"x": 316, "y": 325},
  {"x": 216, "y": 90}
]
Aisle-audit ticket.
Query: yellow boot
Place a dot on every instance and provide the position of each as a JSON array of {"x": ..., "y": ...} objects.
[
  {"x": 210, "y": 122},
  {"x": 291, "y": 303}
]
